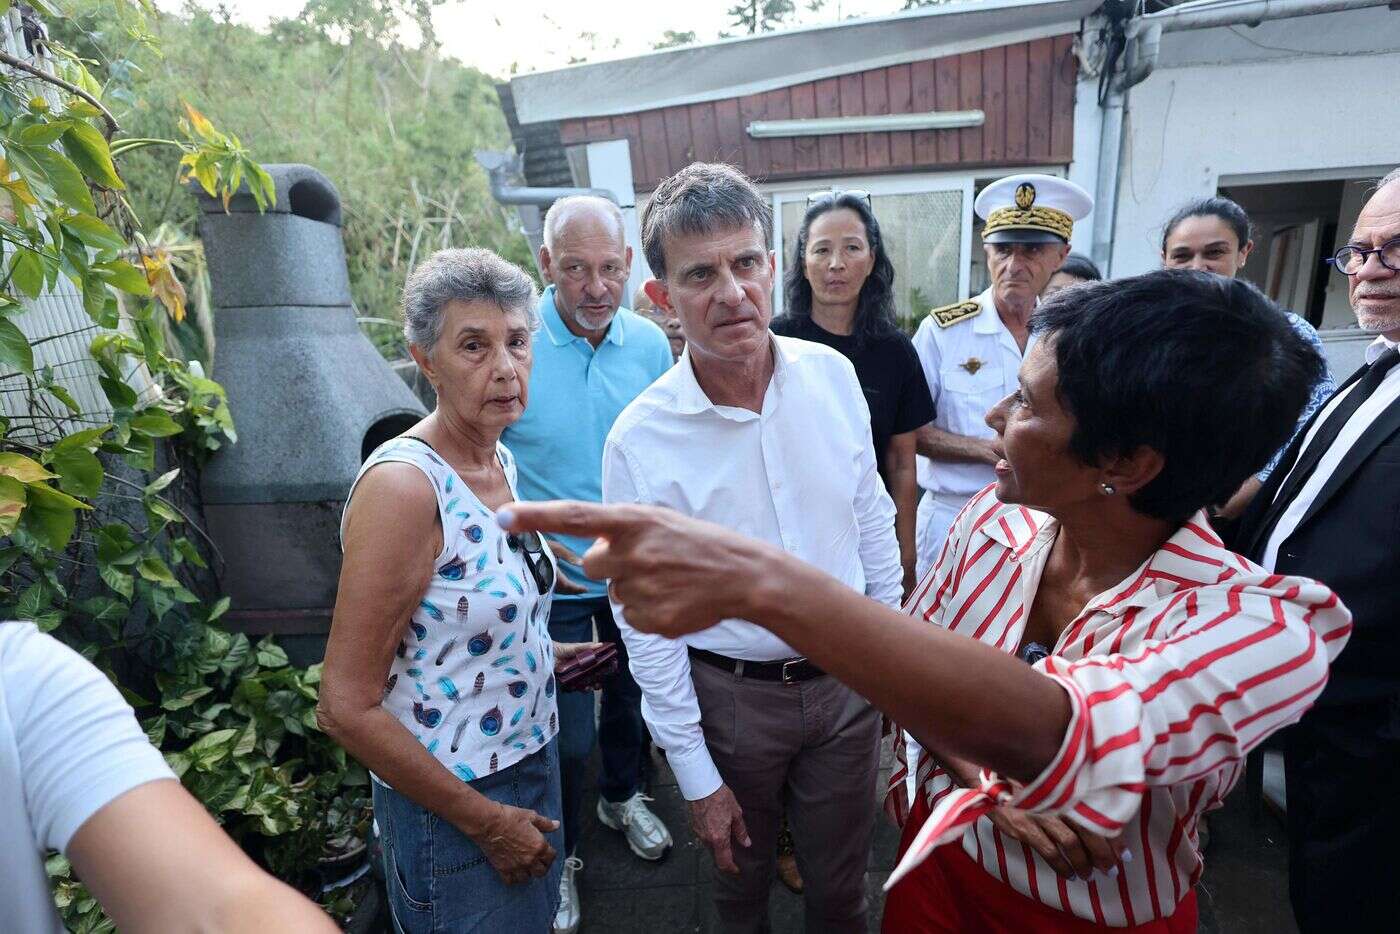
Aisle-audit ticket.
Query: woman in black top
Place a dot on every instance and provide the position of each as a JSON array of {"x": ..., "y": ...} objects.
[{"x": 839, "y": 291}]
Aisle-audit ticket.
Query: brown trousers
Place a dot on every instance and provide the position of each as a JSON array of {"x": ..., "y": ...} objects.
[{"x": 814, "y": 747}]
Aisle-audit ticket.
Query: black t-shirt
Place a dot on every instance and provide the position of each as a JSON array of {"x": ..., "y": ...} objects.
[{"x": 889, "y": 372}]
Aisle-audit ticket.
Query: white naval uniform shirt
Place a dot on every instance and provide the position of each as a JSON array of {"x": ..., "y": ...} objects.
[
  {"x": 970, "y": 367},
  {"x": 800, "y": 474}
]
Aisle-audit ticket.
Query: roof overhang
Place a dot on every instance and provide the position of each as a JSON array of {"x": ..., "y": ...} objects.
[{"x": 754, "y": 64}]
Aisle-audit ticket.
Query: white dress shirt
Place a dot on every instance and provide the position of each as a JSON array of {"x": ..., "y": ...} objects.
[
  {"x": 1384, "y": 396},
  {"x": 800, "y": 474}
]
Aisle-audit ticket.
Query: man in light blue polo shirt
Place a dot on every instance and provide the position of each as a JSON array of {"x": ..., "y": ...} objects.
[{"x": 592, "y": 358}]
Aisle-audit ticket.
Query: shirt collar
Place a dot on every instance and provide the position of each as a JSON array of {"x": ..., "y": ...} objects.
[
  {"x": 1193, "y": 556},
  {"x": 1377, "y": 347},
  {"x": 691, "y": 399},
  {"x": 988, "y": 322},
  {"x": 559, "y": 333}
]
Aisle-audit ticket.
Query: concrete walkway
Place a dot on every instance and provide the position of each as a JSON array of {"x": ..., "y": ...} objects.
[{"x": 1244, "y": 890}]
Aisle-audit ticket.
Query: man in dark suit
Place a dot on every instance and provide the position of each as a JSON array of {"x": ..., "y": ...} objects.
[{"x": 1331, "y": 511}]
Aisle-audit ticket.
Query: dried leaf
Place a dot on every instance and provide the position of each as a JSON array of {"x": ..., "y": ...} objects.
[{"x": 164, "y": 284}]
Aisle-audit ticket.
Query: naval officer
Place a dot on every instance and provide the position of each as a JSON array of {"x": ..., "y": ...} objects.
[{"x": 972, "y": 350}]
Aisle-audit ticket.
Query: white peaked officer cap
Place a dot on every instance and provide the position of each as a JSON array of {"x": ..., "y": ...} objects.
[{"x": 1031, "y": 208}]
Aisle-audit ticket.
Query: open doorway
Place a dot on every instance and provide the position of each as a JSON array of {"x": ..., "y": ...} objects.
[{"x": 1297, "y": 225}]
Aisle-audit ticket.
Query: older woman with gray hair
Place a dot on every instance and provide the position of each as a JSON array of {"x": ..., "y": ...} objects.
[{"x": 439, "y": 672}]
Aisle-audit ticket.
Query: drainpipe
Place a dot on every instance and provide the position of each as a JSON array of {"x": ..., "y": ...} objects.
[
  {"x": 1207, "y": 14},
  {"x": 1144, "y": 42},
  {"x": 500, "y": 169}
]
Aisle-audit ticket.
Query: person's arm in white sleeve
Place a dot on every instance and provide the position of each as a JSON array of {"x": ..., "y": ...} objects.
[
  {"x": 879, "y": 545},
  {"x": 661, "y": 666},
  {"x": 102, "y": 795}
]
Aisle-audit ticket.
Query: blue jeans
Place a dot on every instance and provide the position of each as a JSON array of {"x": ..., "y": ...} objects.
[
  {"x": 620, "y": 732},
  {"x": 440, "y": 881}
]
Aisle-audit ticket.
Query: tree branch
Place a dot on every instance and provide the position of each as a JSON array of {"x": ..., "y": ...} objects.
[{"x": 22, "y": 65}]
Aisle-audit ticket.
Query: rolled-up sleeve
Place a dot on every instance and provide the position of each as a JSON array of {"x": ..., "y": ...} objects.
[
  {"x": 1236, "y": 662},
  {"x": 659, "y": 665},
  {"x": 1237, "y": 666}
]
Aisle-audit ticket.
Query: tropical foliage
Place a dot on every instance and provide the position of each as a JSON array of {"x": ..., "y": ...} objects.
[
  {"x": 391, "y": 121},
  {"x": 100, "y": 545}
]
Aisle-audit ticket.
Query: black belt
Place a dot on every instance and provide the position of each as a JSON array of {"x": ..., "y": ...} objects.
[{"x": 788, "y": 672}]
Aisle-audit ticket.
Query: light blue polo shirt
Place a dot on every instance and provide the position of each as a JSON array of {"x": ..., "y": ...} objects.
[{"x": 576, "y": 393}]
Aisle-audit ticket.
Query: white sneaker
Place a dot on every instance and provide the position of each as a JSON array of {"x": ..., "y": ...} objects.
[
  {"x": 645, "y": 833},
  {"x": 570, "y": 914}
]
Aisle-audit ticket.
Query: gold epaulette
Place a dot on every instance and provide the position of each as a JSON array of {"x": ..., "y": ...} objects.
[{"x": 950, "y": 315}]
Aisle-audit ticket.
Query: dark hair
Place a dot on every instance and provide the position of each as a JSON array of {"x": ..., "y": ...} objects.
[
  {"x": 1202, "y": 369},
  {"x": 875, "y": 306},
  {"x": 1081, "y": 267},
  {"x": 701, "y": 198},
  {"x": 1225, "y": 209}
]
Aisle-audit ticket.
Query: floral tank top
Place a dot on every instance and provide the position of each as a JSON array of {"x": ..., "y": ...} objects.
[{"x": 473, "y": 675}]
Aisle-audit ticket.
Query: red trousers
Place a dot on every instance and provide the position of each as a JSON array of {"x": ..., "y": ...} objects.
[{"x": 949, "y": 893}]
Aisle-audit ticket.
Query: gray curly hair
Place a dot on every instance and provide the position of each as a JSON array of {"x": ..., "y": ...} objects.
[{"x": 464, "y": 275}]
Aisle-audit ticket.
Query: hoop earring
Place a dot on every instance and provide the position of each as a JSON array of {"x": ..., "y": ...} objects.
[{"x": 1108, "y": 489}]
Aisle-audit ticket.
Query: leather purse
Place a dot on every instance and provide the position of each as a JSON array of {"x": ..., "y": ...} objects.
[{"x": 587, "y": 670}]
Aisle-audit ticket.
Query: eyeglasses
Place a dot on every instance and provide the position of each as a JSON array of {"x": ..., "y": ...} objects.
[
  {"x": 541, "y": 568},
  {"x": 1349, "y": 259},
  {"x": 821, "y": 197}
]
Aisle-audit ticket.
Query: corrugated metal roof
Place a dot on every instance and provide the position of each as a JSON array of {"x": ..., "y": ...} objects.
[
  {"x": 752, "y": 64},
  {"x": 546, "y": 164}
]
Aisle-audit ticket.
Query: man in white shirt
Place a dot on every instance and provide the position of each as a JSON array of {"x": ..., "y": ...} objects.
[
  {"x": 1331, "y": 511},
  {"x": 78, "y": 775},
  {"x": 770, "y": 436}
]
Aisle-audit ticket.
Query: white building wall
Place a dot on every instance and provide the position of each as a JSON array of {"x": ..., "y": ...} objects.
[{"x": 1329, "y": 113}]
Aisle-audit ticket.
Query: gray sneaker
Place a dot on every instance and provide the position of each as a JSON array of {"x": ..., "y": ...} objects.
[
  {"x": 569, "y": 915},
  {"x": 645, "y": 833}
]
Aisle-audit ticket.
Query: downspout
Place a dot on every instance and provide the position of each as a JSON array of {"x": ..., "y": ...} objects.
[
  {"x": 1144, "y": 42},
  {"x": 501, "y": 168},
  {"x": 1207, "y": 14}
]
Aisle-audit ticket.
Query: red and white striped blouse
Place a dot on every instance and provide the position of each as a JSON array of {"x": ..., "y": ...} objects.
[{"x": 1173, "y": 676}]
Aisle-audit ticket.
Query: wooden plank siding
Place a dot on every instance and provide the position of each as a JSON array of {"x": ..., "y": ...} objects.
[{"x": 1026, "y": 91}]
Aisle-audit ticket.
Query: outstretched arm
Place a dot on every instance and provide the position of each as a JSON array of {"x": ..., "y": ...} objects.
[
  {"x": 929, "y": 680},
  {"x": 157, "y": 862}
]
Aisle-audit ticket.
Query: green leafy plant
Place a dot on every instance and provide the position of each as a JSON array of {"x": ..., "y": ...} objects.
[
  {"x": 100, "y": 546},
  {"x": 357, "y": 88}
]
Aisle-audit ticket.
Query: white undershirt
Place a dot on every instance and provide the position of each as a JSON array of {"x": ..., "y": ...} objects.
[
  {"x": 69, "y": 744},
  {"x": 1384, "y": 396}
]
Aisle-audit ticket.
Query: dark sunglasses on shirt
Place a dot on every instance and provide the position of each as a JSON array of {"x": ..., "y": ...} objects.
[{"x": 541, "y": 568}]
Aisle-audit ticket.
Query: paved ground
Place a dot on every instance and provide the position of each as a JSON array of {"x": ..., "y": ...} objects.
[{"x": 1244, "y": 890}]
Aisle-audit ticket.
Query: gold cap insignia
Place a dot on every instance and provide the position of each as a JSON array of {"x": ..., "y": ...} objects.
[
  {"x": 1025, "y": 196},
  {"x": 972, "y": 365}
]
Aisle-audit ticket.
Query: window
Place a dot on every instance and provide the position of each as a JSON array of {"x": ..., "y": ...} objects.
[{"x": 926, "y": 225}]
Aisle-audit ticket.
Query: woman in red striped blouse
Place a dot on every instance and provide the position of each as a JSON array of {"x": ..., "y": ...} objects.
[{"x": 1068, "y": 790}]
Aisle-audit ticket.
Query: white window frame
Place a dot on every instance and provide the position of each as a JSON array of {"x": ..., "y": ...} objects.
[{"x": 787, "y": 192}]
